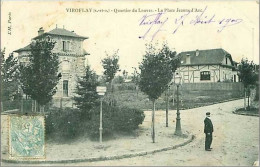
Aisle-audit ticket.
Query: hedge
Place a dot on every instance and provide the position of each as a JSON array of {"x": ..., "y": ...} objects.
[{"x": 67, "y": 124}]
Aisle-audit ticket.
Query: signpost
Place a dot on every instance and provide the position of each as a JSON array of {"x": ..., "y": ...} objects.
[{"x": 101, "y": 90}]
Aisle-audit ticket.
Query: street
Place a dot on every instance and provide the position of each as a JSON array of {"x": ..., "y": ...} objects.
[{"x": 235, "y": 140}]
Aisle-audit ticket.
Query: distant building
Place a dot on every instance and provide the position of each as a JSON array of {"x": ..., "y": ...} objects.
[
  {"x": 69, "y": 47},
  {"x": 213, "y": 65}
]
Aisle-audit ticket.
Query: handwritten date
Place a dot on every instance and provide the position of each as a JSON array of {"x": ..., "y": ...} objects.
[{"x": 156, "y": 22}]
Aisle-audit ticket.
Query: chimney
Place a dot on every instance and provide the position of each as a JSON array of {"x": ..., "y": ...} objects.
[
  {"x": 197, "y": 52},
  {"x": 188, "y": 59},
  {"x": 40, "y": 31}
]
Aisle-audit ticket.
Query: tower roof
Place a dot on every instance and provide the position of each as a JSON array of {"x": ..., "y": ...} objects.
[{"x": 61, "y": 32}]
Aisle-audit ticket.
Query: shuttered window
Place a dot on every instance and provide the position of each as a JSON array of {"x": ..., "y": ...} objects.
[
  {"x": 65, "y": 46},
  {"x": 65, "y": 88}
]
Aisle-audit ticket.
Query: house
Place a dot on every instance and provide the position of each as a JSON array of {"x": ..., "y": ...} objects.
[
  {"x": 212, "y": 65},
  {"x": 72, "y": 56}
]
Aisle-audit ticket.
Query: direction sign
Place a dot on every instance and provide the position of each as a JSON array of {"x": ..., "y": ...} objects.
[{"x": 101, "y": 89}]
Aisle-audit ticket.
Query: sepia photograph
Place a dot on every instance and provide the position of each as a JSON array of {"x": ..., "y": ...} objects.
[{"x": 130, "y": 83}]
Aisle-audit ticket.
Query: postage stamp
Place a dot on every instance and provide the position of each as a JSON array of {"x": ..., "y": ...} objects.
[{"x": 26, "y": 137}]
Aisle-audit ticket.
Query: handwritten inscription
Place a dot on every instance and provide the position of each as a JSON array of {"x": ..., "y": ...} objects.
[
  {"x": 156, "y": 22},
  {"x": 151, "y": 21},
  {"x": 9, "y": 28}
]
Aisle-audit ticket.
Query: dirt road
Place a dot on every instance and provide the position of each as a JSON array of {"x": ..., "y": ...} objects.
[{"x": 235, "y": 140}]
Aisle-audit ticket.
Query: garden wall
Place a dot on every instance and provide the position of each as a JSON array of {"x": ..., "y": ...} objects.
[{"x": 232, "y": 86}]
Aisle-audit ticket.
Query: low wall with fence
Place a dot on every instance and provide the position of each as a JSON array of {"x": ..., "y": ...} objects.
[{"x": 232, "y": 86}]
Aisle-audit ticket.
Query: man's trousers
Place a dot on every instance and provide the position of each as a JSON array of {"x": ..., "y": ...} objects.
[{"x": 208, "y": 141}]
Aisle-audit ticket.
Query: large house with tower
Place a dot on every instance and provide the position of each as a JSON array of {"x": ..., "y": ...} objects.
[
  {"x": 72, "y": 56},
  {"x": 213, "y": 65}
]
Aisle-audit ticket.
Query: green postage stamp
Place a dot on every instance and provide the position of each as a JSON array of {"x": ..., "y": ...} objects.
[{"x": 26, "y": 137}]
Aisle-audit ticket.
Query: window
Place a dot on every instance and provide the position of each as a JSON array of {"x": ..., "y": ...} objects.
[
  {"x": 65, "y": 88},
  {"x": 204, "y": 75},
  {"x": 68, "y": 46},
  {"x": 63, "y": 46}
]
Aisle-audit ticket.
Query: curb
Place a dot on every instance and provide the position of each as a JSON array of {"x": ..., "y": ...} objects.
[
  {"x": 255, "y": 115},
  {"x": 101, "y": 158}
]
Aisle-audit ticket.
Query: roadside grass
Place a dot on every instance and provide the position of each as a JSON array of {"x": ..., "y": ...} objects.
[
  {"x": 249, "y": 111},
  {"x": 188, "y": 99}
]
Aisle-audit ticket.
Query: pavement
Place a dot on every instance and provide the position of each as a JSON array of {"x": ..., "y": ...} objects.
[{"x": 235, "y": 142}]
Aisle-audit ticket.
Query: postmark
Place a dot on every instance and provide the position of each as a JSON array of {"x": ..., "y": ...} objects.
[{"x": 26, "y": 137}]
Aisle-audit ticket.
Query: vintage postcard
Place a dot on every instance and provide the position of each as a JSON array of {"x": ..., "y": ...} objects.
[{"x": 133, "y": 83}]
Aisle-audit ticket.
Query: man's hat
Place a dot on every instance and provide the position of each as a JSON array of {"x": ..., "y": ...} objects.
[{"x": 208, "y": 113}]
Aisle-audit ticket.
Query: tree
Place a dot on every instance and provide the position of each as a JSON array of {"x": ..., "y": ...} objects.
[
  {"x": 39, "y": 77},
  {"x": 157, "y": 70},
  {"x": 248, "y": 76},
  {"x": 87, "y": 97},
  {"x": 136, "y": 79},
  {"x": 111, "y": 67},
  {"x": 9, "y": 77},
  {"x": 119, "y": 79},
  {"x": 125, "y": 74}
]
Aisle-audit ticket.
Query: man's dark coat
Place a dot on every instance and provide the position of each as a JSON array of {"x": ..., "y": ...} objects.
[
  {"x": 208, "y": 126},
  {"x": 208, "y": 129}
]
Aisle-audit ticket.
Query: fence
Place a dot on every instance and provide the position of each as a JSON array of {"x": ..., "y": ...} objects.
[
  {"x": 16, "y": 104},
  {"x": 25, "y": 105},
  {"x": 232, "y": 86}
]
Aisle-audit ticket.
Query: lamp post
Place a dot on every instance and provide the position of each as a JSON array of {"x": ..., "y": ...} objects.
[
  {"x": 167, "y": 103},
  {"x": 101, "y": 90},
  {"x": 178, "y": 132}
]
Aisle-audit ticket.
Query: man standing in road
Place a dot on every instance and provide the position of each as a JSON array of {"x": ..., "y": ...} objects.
[{"x": 208, "y": 130}]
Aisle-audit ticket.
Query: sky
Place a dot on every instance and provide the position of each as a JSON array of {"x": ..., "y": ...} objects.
[{"x": 128, "y": 26}]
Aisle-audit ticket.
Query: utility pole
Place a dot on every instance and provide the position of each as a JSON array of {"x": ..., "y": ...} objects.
[{"x": 100, "y": 127}]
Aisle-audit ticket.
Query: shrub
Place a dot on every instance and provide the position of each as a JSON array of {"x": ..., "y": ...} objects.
[
  {"x": 107, "y": 121},
  {"x": 128, "y": 119},
  {"x": 63, "y": 123},
  {"x": 116, "y": 119},
  {"x": 68, "y": 123}
]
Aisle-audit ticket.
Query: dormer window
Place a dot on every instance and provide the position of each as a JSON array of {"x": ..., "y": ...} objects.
[{"x": 197, "y": 52}]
